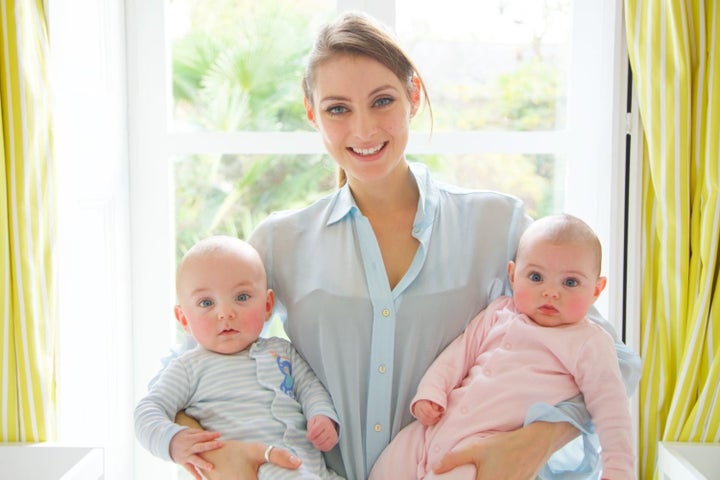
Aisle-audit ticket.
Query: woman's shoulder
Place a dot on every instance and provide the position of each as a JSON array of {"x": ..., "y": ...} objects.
[
  {"x": 467, "y": 195},
  {"x": 293, "y": 218}
]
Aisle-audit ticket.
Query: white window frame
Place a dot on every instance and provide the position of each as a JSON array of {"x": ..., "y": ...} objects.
[{"x": 137, "y": 218}]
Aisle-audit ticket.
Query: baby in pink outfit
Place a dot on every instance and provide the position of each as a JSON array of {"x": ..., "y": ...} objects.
[{"x": 537, "y": 346}]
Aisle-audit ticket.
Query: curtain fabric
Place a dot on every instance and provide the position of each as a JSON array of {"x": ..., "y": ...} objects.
[
  {"x": 27, "y": 288},
  {"x": 673, "y": 49}
]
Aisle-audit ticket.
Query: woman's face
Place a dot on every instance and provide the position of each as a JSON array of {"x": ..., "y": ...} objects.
[{"x": 363, "y": 112}]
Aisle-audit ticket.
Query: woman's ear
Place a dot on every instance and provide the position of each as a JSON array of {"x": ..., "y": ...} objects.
[
  {"x": 415, "y": 95},
  {"x": 309, "y": 113}
]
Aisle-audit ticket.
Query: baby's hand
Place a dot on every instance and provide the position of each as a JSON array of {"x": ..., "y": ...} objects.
[
  {"x": 187, "y": 443},
  {"x": 427, "y": 412},
  {"x": 322, "y": 432}
]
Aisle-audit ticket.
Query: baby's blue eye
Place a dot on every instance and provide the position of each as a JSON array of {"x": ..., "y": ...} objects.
[
  {"x": 243, "y": 297},
  {"x": 205, "y": 303},
  {"x": 535, "y": 277},
  {"x": 571, "y": 282}
]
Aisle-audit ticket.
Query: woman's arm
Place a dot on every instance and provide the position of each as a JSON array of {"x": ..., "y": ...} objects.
[
  {"x": 236, "y": 460},
  {"x": 516, "y": 455}
]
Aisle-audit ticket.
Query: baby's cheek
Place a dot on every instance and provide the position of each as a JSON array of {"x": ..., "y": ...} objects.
[
  {"x": 523, "y": 300},
  {"x": 577, "y": 308}
]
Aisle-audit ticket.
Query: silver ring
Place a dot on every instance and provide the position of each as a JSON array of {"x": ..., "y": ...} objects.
[{"x": 267, "y": 453}]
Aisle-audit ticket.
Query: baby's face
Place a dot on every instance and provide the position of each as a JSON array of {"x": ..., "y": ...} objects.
[
  {"x": 224, "y": 301},
  {"x": 555, "y": 284}
]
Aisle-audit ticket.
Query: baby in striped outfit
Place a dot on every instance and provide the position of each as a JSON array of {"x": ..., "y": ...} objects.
[{"x": 234, "y": 382}]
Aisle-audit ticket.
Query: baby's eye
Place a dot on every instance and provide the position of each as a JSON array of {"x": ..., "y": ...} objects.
[
  {"x": 535, "y": 277},
  {"x": 205, "y": 303},
  {"x": 243, "y": 297},
  {"x": 571, "y": 282},
  {"x": 381, "y": 102}
]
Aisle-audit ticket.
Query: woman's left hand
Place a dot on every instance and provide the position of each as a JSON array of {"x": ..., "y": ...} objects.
[{"x": 515, "y": 455}]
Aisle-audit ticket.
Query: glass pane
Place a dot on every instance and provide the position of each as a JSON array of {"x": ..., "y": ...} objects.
[
  {"x": 230, "y": 194},
  {"x": 529, "y": 177},
  {"x": 493, "y": 64},
  {"x": 237, "y": 64}
]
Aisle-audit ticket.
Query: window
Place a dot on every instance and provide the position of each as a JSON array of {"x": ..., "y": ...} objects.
[{"x": 528, "y": 98}]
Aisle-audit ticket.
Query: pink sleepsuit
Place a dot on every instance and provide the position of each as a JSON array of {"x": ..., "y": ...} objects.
[{"x": 489, "y": 376}]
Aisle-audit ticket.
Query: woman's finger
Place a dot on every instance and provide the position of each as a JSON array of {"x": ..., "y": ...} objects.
[{"x": 279, "y": 456}]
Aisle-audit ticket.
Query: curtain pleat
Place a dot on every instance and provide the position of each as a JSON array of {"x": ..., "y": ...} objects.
[
  {"x": 27, "y": 232},
  {"x": 676, "y": 66}
]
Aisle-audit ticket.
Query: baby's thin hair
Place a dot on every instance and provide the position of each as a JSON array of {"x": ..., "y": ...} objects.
[{"x": 564, "y": 228}]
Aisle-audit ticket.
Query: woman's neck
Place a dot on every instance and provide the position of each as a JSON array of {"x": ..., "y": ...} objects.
[{"x": 396, "y": 192}]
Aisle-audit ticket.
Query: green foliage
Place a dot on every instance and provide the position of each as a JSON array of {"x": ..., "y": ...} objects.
[{"x": 529, "y": 96}]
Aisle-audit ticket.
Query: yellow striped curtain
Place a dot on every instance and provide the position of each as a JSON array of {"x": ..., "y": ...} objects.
[
  {"x": 27, "y": 288},
  {"x": 675, "y": 58}
]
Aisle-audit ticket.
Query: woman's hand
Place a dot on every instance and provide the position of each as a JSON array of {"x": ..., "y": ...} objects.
[
  {"x": 234, "y": 460},
  {"x": 516, "y": 455},
  {"x": 241, "y": 460},
  {"x": 187, "y": 445}
]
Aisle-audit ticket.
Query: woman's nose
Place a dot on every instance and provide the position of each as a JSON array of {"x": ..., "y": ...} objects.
[{"x": 364, "y": 126}]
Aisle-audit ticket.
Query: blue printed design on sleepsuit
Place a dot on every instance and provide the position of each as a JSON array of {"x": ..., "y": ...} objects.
[{"x": 286, "y": 369}]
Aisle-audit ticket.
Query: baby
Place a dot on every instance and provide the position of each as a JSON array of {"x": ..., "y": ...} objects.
[
  {"x": 245, "y": 387},
  {"x": 537, "y": 346}
]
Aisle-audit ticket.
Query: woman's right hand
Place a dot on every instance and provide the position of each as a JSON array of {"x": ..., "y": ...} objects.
[{"x": 236, "y": 460}]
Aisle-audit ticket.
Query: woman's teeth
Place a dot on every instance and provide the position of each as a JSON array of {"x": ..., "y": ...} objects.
[{"x": 367, "y": 151}]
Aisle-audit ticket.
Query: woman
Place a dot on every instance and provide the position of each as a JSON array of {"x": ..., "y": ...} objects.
[{"x": 377, "y": 278}]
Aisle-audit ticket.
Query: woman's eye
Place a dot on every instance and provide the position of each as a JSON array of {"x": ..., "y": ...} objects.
[
  {"x": 243, "y": 297},
  {"x": 205, "y": 303},
  {"x": 337, "y": 110},
  {"x": 571, "y": 282},
  {"x": 381, "y": 102},
  {"x": 535, "y": 277}
]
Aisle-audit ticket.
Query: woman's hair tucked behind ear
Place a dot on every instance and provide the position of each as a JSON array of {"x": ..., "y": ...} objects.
[{"x": 358, "y": 34}]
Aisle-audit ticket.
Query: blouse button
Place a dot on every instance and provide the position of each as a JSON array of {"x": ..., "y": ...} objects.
[
  {"x": 382, "y": 369},
  {"x": 377, "y": 427},
  {"x": 416, "y": 230},
  {"x": 386, "y": 312}
]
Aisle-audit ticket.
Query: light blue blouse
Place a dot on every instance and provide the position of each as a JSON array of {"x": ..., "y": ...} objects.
[{"x": 368, "y": 344}]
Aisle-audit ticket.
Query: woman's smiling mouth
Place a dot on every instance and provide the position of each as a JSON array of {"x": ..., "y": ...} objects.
[{"x": 367, "y": 151}]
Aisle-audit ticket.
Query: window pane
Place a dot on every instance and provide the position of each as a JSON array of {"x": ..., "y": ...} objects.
[
  {"x": 490, "y": 65},
  {"x": 237, "y": 64},
  {"x": 230, "y": 194},
  {"x": 530, "y": 177}
]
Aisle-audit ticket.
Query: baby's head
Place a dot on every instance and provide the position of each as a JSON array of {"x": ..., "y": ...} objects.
[
  {"x": 223, "y": 299},
  {"x": 556, "y": 273}
]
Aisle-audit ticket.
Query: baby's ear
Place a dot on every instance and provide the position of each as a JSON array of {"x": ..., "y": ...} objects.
[
  {"x": 269, "y": 304},
  {"x": 511, "y": 272},
  {"x": 599, "y": 286},
  {"x": 181, "y": 318}
]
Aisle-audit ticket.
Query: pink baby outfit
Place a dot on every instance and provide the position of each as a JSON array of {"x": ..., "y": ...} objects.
[{"x": 489, "y": 376}]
